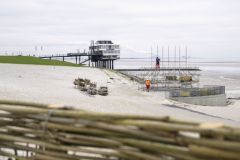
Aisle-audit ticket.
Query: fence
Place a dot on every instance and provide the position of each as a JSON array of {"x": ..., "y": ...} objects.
[
  {"x": 38, "y": 131},
  {"x": 194, "y": 92}
]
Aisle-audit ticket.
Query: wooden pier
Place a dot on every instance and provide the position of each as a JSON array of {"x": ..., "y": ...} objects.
[{"x": 93, "y": 60}]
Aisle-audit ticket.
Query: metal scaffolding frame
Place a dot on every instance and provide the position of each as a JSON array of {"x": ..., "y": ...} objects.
[
  {"x": 173, "y": 74},
  {"x": 163, "y": 80}
]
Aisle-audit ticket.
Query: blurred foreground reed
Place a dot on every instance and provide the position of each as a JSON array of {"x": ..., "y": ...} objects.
[{"x": 51, "y": 132}]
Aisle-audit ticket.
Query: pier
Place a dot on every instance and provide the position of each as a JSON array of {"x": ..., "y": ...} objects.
[
  {"x": 69, "y": 55},
  {"x": 101, "y": 54},
  {"x": 94, "y": 60}
]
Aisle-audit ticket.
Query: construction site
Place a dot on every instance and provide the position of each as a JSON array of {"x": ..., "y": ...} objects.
[
  {"x": 106, "y": 118},
  {"x": 173, "y": 75}
]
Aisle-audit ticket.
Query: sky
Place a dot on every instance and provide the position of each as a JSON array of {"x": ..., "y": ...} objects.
[{"x": 209, "y": 28}]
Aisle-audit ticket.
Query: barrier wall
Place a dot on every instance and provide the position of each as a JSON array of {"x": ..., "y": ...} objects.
[
  {"x": 206, "y": 96},
  {"x": 194, "y": 92},
  {"x": 211, "y": 100}
]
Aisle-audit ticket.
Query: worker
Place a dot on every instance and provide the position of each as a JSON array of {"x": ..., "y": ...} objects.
[
  {"x": 148, "y": 84},
  {"x": 157, "y": 63}
]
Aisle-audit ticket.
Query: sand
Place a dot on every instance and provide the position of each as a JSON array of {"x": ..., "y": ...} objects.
[{"x": 54, "y": 85}]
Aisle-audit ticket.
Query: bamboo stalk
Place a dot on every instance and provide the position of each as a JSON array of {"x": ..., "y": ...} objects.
[
  {"x": 51, "y": 146},
  {"x": 154, "y": 147},
  {"x": 177, "y": 127},
  {"x": 4, "y": 153},
  {"x": 50, "y": 153},
  {"x": 29, "y": 104},
  {"x": 218, "y": 144},
  {"x": 139, "y": 155},
  {"x": 209, "y": 153},
  {"x": 43, "y": 109}
]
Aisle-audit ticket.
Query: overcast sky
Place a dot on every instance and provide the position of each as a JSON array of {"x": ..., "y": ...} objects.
[{"x": 210, "y": 28}]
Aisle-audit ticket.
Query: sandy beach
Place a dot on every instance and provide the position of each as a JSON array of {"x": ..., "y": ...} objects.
[{"x": 54, "y": 85}]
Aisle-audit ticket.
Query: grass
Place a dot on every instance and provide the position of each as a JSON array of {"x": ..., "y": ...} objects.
[{"x": 34, "y": 60}]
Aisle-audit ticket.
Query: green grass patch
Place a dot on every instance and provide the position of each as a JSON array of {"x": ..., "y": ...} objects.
[{"x": 34, "y": 60}]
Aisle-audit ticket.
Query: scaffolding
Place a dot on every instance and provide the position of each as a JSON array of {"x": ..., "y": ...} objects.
[
  {"x": 172, "y": 74},
  {"x": 165, "y": 79}
]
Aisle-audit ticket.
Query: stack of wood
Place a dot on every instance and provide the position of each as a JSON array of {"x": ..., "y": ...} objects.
[
  {"x": 92, "y": 89},
  {"x": 103, "y": 91},
  {"x": 82, "y": 84},
  {"x": 86, "y": 85},
  {"x": 50, "y": 132}
]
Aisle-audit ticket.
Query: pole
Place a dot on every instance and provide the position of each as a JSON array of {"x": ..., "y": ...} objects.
[
  {"x": 179, "y": 56},
  {"x": 151, "y": 57},
  {"x": 168, "y": 56},
  {"x": 175, "y": 54},
  {"x": 157, "y": 52},
  {"x": 186, "y": 56},
  {"x": 162, "y": 56}
]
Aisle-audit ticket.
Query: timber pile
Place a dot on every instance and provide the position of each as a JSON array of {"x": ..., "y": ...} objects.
[
  {"x": 103, "y": 91},
  {"x": 50, "y": 132},
  {"x": 82, "y": 84},
  {"x": 86, "y": 85},
  {"x": 92, "y": 89}
]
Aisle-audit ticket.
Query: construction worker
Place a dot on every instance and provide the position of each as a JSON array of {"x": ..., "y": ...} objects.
[
  {"x": 157, "y": 63},
  {"x": 148, "y": 84}
]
